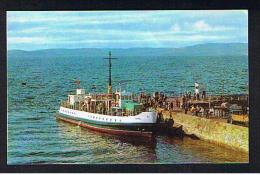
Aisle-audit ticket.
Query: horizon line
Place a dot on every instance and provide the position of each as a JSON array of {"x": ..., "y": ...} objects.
[{"x": 126, "y": 47}]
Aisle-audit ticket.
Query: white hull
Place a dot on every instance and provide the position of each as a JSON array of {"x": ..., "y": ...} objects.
[{"x": 142, "y": 118}]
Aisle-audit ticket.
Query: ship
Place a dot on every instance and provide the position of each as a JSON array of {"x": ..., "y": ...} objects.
[{"x": 116, "y": 112}]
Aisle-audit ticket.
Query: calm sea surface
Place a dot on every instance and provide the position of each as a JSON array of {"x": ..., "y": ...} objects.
[{"x": 34, "y": 135}]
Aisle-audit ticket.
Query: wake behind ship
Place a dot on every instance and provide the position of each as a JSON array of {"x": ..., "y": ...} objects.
[{"x": 114, "y": 113}]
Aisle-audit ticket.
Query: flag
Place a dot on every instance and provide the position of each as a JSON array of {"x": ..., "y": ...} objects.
[{"x": 78, "y": 82}]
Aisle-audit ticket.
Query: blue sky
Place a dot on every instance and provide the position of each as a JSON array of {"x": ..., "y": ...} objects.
[{"x": 124, "y": 29}]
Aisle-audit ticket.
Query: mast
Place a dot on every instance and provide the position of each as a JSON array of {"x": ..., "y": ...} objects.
[{"x": 109, "y": 88}]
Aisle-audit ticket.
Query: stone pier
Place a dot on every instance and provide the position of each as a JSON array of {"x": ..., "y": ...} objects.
[{"x": 225, "y": 134}]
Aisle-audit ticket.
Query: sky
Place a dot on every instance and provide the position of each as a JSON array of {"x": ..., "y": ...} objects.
[{"x": 33, "y": 30}]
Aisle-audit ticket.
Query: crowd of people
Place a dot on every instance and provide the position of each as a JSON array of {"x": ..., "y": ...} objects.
[{"x": 185, "y": 102}]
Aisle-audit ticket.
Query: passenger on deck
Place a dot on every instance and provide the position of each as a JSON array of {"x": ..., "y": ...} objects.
[
  {"x": 160, "y": 117},
  {"x": 177, "y": 103},
  {"x": 207, "y": 113},
  {"x": 171, "y": 106},
  {"x": 183, "y": 102},
  {"x": 202, "y": 111},
  {"x": 211, "y": 111},
  {"x": 197, "y": 90},
  {"x": 186, "y": 109},
  {"x": 189, "y": 95},
  {"x": 203, "y": 94},
  {"x": 192, "y": 110},
  {"x": 197, "y": 110}
]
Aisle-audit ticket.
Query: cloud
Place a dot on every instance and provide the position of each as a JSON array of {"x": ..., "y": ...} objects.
[
  {"x": 201, "y": 26},
  {"x": 87, "y": 17},
  {"x": 124, "y": 28},
  {"x": 175, "y": 28},
  {"x": 31, "y": 40}
]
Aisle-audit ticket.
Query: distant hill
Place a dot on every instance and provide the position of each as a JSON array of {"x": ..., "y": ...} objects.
[{"x": 210, "y": 49}]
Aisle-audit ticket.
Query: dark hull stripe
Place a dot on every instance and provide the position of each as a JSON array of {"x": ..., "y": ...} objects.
[{"x": 107, "y": 130}]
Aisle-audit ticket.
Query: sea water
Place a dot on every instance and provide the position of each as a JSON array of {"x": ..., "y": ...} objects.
[{"x": 35, "y": 136}]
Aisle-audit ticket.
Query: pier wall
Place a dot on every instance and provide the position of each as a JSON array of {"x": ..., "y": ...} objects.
[{"x": 225, "y": 134}]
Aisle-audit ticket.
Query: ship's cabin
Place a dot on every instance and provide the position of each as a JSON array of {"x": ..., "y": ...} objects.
[{"x": 117, "y": 104}]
